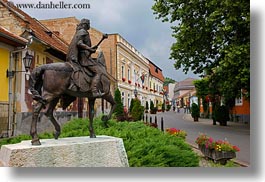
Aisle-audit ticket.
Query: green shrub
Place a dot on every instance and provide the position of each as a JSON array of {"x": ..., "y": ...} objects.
[
  {"x": 119, "y": 106},
  {"x": 153, "y": 109},
  {"x": 131, "y": 105},
  {"x": 168, "y": 107},
  {"x": 152, "y": 105},
  {"x": 195, "y": 110},
  {"x": 146, "y": 106},
  {"x": 145, "y": 146},
  {"x": 137, "y": 110},
  {"x": 221, "y": 114}
]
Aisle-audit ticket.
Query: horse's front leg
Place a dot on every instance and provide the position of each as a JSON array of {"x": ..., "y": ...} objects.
[
  {"x": 91, "y": 117},
  {"x": 33, "y": 131}
]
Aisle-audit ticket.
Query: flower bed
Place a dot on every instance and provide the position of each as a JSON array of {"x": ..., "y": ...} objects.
[{"x": 177, "y": 132}]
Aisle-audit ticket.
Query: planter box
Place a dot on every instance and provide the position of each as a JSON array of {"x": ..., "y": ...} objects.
[{"x": 217, "y": 156}]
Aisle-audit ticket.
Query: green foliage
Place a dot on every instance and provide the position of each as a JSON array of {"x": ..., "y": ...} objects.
[
  {"x": 149, "y": 147},
  {"x": 202, "y": 87},
  {"x": 146, "y": 106},
  {"x": 153, "y": 109},
  {"x": 212, "y": 38},
  {"x": 168, "y": 107},
  {"x": 168, "y": 81},
  {"x": 119, "y": 107},
  {"x": 195, "y": 110},
  {"x": 221, "y": 114},
  {"x": 163, "y": 107},
  {"x": 131, "y": 105},
  {"x": 145, "y": 146},
  {"x": 137, "y": 110},
  {"x": 152, "y": 105},
  {"x": 14, "y": 140}
]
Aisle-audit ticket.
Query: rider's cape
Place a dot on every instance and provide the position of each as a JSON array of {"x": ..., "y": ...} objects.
[{"x": 80, "y": 35}]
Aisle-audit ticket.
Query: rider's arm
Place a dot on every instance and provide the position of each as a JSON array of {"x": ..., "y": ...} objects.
[{"x": 81, "y": 45}]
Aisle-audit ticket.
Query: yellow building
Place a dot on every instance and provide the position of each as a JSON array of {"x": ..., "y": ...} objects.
[
  {"x": 9, "y": 46},
  {"x": 45, "y": 47}
]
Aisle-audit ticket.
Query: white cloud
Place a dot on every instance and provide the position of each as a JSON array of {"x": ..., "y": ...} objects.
[{"x": 132, "y": 19}]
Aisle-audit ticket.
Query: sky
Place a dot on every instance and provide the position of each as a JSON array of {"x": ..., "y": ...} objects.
[{"x": 132, "y": 19}]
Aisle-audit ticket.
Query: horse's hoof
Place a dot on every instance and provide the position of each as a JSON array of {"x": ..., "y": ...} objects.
[
  {"x": 104, "y": 118},
  {"x": 56, "y": 134},
  {"x": 92, "y": 136},
  {"x": 35, "y": 142}
]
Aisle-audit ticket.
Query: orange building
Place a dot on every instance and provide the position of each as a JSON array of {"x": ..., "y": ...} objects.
[{"x": 241, "y": 110}]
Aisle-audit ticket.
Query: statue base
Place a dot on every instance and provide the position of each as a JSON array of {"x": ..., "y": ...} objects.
[{"x": 103, "y": 151}]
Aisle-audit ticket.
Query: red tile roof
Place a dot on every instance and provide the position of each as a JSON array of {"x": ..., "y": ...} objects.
[
  {"x": 39, "y": 30},
  {"x": 10, "y": 38},
  {"x": 155, "y": 71}
]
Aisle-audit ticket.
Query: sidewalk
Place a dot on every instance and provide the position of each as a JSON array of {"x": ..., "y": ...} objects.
[{"x": 230, "y": 125}]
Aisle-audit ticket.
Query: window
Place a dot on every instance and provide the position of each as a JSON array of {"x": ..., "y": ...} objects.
[
  {"x": 129, "y": 74},
  {"x": 129, "y": 100},
  {"x": 122, "y": 71},
  {"x": 122, "y": 98},
  {"x": 239, "y": 101}
]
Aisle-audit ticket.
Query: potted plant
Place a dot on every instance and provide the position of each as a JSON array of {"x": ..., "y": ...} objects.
[
  {"x": 219, "y": 151},
  {"x": 195, "y": 112}
]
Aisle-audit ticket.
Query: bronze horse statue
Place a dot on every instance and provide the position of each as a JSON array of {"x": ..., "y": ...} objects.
[{"x": 49, "y": 84}]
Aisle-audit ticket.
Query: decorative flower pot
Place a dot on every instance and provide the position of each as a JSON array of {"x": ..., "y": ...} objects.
[{"x": 217, "y": 156}]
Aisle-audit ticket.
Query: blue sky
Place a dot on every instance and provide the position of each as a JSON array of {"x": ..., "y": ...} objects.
[{"x": 132, "y": 19}]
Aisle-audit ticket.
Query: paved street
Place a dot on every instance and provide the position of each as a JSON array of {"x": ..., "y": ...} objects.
[{"x": 235, "y": 133}]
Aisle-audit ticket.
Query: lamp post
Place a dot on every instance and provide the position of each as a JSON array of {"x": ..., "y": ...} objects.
[
  {"x": 27, "y": 60},
  {"x": 135, "y": 92}
]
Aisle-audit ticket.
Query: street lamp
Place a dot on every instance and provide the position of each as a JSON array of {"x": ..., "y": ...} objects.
[
  {"x": 135, "y": 92},
  {"x": 27, "y": 60}
]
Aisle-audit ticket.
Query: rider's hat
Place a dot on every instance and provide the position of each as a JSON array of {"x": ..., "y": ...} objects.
[{"x": 85, "y": 21}]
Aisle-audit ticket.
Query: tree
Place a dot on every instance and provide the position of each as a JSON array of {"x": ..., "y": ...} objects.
[
  {"x": 137, "y": 110},
  {"x": 195, "y": 111},
  {"x": 212, "y": 38},
  {"x": 146, "y": 106},
  {"x": 119, "y": 107},
  {"x": 168, "y": 81},
  {"x": 131, "y": 105}
]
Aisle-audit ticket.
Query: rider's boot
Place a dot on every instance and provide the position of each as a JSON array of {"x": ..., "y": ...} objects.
[{"x": 95, "y": 91}]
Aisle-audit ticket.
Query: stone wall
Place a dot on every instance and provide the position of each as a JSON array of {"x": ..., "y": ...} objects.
[{"x": 44, "y": 125}]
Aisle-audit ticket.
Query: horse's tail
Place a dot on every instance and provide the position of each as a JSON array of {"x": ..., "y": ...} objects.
[{"x": 36, "y": 83}]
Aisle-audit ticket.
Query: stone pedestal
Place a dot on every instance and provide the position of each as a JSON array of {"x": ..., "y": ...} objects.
[{"x": 103, "y": 151}]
